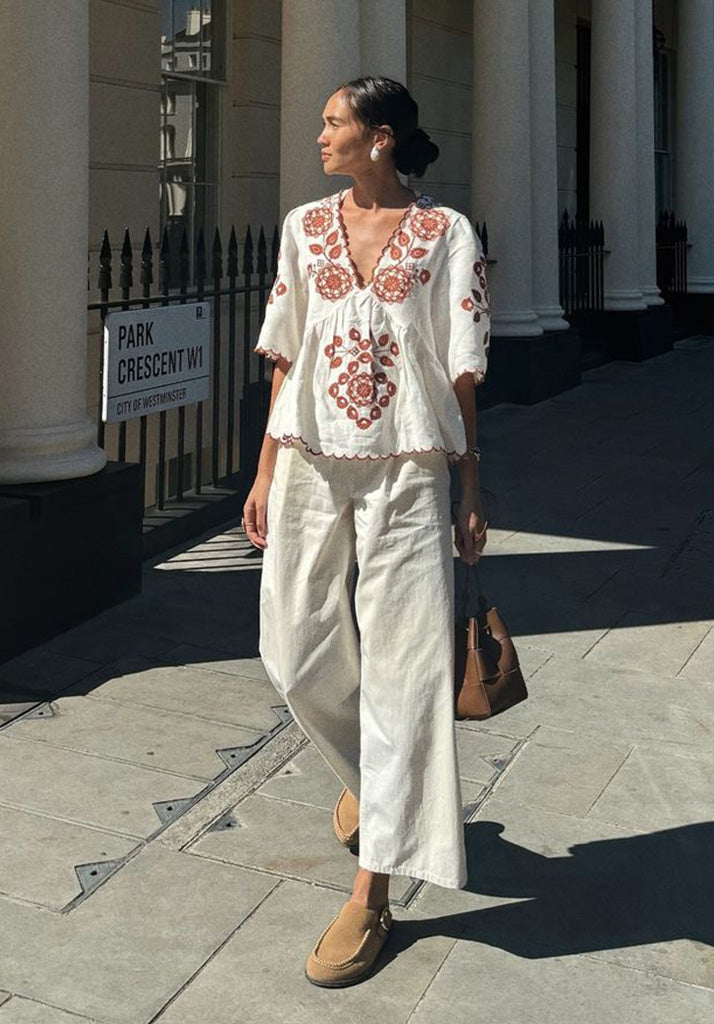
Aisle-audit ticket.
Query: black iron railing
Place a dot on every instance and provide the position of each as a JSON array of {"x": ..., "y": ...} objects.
[
  {"x": 672, "y": 246},
  {"x": 581, "y": 247},
  {"x": 208, "y": 443}
]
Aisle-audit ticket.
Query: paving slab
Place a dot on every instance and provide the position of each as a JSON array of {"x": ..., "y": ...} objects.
[
  {"x": 562, "y": 771},
  {"x": 658, "y": 788},
  {"x": 294, "y": 840},
  {"x": 550, "y": 555},
  {"x": 27, "y": 1011},
  {"x": 635, "y": 643},
  {"x": 214, "y": 696},
  {"x": 544, "y": 885},
  {"x": 699, "y": 664},
  {"x": 621, "y": 705},
  {"x": 12, "y": 709},
  {"x": 39, "y": 853},
  {"x": 183, "y": 744},
  {"x": 205, "y": 657},
  {"x": 44, "y": 671},
  {"x": 85, "y": 789},
  {"x": 481, "y": 754},
  {"x": 308, "y": 779},
  {"x": 157, "y": 615},
  {"x": 122, "y": 954},
  {"x": 258, "y": 976},
  {"x": 305, "y": 779},
  {"x": 548, "y": 613},
  {"x": 665, "y": 601},
  {"x": 101, "y": 643},
  {"x": 477, "y": 981},
  {"x": 565, "y": 675},
  {"x": 4, "y": 996}
]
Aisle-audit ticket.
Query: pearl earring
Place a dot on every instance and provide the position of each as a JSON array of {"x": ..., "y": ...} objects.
[{"x": 374, "y": 154}]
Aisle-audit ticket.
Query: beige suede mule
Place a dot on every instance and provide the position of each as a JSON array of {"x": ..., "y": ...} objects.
[
  {"x": 345, "y": 818},
  {"x": 348, "y": 949}
]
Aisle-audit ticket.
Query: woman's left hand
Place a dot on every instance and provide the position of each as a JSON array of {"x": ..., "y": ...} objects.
[{"x": 471, "y": 527}]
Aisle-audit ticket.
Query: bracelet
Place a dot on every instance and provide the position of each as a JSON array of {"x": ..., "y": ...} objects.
[{"x": 473, "y": 449}]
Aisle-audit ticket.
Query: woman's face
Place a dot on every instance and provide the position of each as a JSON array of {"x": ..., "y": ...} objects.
[{"x": 343, "y": 142}]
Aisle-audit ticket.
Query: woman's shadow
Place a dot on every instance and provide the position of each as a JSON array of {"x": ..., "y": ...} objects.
[{"x": 606, "y": 894}]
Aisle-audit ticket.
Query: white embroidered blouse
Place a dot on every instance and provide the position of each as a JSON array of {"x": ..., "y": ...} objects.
[{"x": 373, "y": 363}]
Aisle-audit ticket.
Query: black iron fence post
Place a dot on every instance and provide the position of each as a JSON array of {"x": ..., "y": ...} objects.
[
  {"x": 232, "y": 450},
  {"x": 217, "y": 274}
]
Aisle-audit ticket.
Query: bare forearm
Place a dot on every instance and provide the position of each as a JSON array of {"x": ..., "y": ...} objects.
[
  {"x": 269, "y": 448},
  {"x": 468, "y": 467}
]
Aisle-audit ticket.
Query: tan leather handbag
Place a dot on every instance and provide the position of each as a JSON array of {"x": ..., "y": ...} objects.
[{"x": 487, "y": 675}]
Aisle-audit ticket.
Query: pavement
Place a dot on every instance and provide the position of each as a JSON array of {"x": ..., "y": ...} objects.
[{"x": 166, "y": 847}]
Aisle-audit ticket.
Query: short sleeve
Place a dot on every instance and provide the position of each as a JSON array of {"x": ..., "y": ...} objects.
[
  {"x": 469, "y": 314},
  {"x": 285, "y": 310}
]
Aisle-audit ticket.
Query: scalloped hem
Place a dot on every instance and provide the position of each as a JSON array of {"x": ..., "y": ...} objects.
[
  {"x": 288, "y": 440},
  {"x": 272, "y": 354}
]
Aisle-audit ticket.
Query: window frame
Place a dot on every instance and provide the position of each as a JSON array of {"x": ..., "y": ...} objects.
[{"x": 203, "y": 194}]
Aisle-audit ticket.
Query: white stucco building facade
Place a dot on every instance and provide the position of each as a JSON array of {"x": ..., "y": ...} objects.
[{"x": 210, "y": 112}]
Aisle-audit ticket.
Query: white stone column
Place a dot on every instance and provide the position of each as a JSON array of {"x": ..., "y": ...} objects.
[
  {"x": 614, "y": 165},
  {"x": 383, "y": 39},
  {"x": 320, "y": 50},
  {"x": 544, "y": 168},
  {"x": 45, "y": 433},
  {"x": 695, "y": 138},
  {"x": 645, "y": 154},
  {"x": 501, "y": 188}
]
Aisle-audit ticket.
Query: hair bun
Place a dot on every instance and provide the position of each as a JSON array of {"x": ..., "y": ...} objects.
[{"x": 415, "y": 153}]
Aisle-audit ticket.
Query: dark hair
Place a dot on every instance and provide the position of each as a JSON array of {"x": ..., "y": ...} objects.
[{"x": 378, "y": 101}]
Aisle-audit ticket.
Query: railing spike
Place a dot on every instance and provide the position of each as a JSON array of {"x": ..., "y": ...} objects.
[
  {"x": 275, "y": 250},
  {"x": 232, "y": 264},
  {"x": 248, "y": 267},
  {"x": 104, "y": 282},
  {"x": 262, "y": 253},
  {"x": 217, "y": 255},
  {"x": 200, "y": 258},
  {"x": 126, "y": 274},
  {"x": 147, "y": 261},
  {"x": 164, "y": 262},
  {"x": 183, "y": 260}
]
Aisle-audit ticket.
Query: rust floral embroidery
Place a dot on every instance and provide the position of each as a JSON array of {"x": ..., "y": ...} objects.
[
  {"x": 279, "y": 288},
  {"x": 478, "y": 302},
  {"x": 429, "y": 224},
  {"x": 362, "y": 389},
  {"x": 317, "y": 220},
  {"x": 333, "y": 281},
  {"x": 334, "y": 273},
  {"x": 393, "y": 284}
]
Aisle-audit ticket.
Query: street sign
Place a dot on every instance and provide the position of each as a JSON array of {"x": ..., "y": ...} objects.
[{"x": 155, "y": 359}]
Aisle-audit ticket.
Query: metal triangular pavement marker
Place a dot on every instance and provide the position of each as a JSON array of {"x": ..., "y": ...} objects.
[
  {"x": 41, "y": 711},
  {"x": 169, "y": 810},
  {"x": 92, "y": 875}
]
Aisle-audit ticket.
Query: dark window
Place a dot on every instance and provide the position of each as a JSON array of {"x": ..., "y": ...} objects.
[
  {"x": 663, "y": 83},
  {"x": 192, "y": 74}
]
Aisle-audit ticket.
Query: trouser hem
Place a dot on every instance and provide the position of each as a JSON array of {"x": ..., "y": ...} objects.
[{"x": 414, "y": 872}]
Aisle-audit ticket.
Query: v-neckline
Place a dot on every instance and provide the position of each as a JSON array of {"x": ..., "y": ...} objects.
[{"x": 346, "y": 244}]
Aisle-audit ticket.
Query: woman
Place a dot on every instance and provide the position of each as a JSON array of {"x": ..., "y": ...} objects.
[{"x": 378, "y": 325}]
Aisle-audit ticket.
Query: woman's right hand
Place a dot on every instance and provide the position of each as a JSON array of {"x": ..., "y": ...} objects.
[{"x": 255, "y": 511}]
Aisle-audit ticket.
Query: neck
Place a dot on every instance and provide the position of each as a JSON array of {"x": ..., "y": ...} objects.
[{"x": 370, "y": 192}]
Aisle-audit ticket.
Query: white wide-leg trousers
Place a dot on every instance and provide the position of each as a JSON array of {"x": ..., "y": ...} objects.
[{"x": 377, "y": 700}]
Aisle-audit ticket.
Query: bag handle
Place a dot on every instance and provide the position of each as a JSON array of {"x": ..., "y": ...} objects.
[{"x": 471, "y": 579}]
